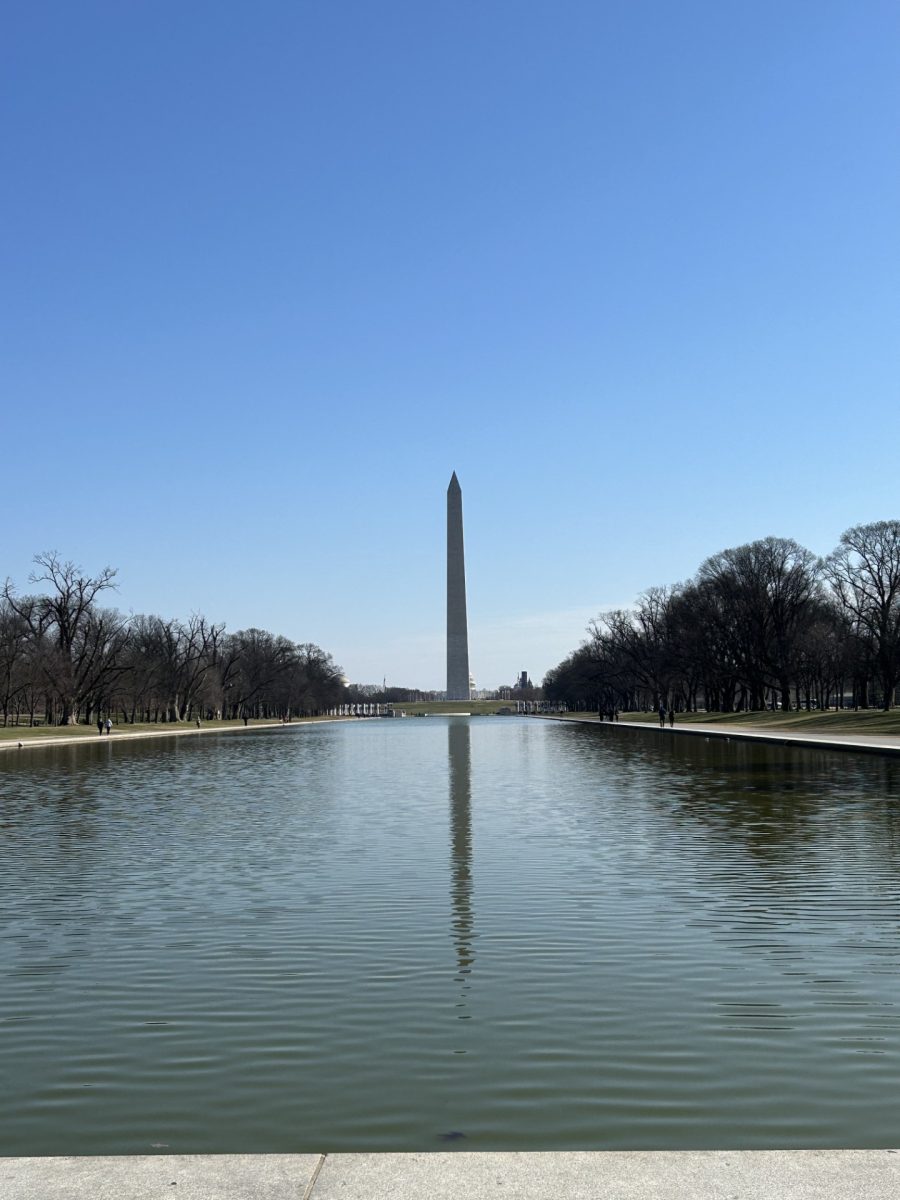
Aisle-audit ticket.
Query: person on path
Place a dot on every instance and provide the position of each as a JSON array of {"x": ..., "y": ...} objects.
[
  {"x": 671, "y": 717},
  {"x": 100, "y": 726},
  {"x": 108, "y": 726},
  {"x": 662, "y": 715}
]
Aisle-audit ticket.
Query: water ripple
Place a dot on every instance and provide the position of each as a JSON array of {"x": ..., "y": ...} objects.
[{"x": 373, "y": 936}]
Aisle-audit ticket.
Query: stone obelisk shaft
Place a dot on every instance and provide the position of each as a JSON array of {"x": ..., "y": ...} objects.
[{"x": 457, "y": 627}]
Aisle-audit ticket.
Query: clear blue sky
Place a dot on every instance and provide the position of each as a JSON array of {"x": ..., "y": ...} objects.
[{"x": 271, "y": 272}]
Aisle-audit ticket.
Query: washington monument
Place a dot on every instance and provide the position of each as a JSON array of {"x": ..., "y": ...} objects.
[{"x": 457, "y": 628}]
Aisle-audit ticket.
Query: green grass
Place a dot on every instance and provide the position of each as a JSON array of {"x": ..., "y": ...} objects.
[
  {"x": 476, "y": 708},
  {"x": 871, "y": 721},
  {"x": 25, "y": 733}
]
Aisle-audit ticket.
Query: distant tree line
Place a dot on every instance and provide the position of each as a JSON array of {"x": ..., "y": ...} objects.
[
  {"x": 370, "y": 693},
  {"x": 759, "y": 626},
  {"x": 65, "y": 659}
]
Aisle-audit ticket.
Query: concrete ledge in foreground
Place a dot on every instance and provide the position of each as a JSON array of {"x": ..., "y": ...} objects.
[
  {"x": 582, "y": 1175},
  {"x": 174, "y": 1176}
]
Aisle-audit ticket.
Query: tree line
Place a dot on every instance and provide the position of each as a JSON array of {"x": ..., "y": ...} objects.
[
  {"x": 65, "y": 658},
  {"x": 764, "y": 625}
]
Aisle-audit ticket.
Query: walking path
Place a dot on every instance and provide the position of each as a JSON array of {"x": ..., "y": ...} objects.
[
  {"x": 581, "y": 1175},
  {"x": 869, "y": 743},
  {"x": 121, "y": 734}
]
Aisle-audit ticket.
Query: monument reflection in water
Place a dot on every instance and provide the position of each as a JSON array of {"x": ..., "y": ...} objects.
[
  {"x": 460, "y": 774},
  {"x": 274, "y": 943}
]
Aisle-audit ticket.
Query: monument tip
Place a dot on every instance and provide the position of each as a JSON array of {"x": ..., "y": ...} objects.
[{"x": 454, "y": 482}]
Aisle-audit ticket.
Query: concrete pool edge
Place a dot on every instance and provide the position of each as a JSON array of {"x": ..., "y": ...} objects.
[
  {"x": 860, "y": 743},
  {"x": 122, "y": 734},
  {"x": 623, "y": 1175}
]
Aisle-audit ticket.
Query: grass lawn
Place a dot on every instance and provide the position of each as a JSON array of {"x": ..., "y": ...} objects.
[
  {"x": 475, "y": 708},
  {"x": 24, "y": 733},
  {"x": 845, "y": 721}
]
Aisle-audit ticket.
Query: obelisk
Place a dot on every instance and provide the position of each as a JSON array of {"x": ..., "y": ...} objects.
[{"x": 457, "y": 628}]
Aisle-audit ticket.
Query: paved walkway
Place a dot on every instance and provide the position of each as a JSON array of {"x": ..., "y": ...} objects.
[
  {"x": 869, "y": 743},
  {"x": 583, "y": 1175},
  {"x": 121, "y": 733}
]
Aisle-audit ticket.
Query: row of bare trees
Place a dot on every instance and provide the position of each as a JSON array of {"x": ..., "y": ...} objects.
[
  {"x": 65, "y": 658},
  {"x": 759, "y": 626}
]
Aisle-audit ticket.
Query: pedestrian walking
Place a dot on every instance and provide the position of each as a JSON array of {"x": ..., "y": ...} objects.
[
  {"x": 671, "y": 717},
  {"x": 108, "y": 726},
  {"x": 100, "y": 726},
  {"x": 662, "y": 715}
]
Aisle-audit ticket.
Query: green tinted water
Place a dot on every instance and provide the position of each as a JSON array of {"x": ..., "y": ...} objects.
[{"x": 488, "y": 934}]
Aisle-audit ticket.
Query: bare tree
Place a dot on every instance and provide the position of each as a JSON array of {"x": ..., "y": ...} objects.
[
  {"x": 258, "y": 659},
  {"x": 316, "y": 679},
  {"x": 75, "y": 642},
  {"x": 14, "y": 674},
  {"x": 736, "y": 633},
  {"x": 864, "y": 571},
  {"x": 765, "y": 591},
  {"x": 63, "y": 654}
]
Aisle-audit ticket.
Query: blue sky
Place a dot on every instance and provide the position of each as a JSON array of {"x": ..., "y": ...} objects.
[{"x": 272, "y": 272}]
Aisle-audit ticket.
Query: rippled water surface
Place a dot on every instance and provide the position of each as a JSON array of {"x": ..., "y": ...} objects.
[{"x": 488, "y": 933}]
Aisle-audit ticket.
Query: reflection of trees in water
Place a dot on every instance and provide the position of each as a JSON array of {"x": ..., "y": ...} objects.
[
  {"x": 51, "y": 797},
  {"x": 460, "y": 774},
  {"x": 787, "y": 856},
  {"x": 767, "y": 800}
]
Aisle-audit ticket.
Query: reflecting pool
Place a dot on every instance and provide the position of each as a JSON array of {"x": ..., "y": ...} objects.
[{"x": 486, "y": 933}]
